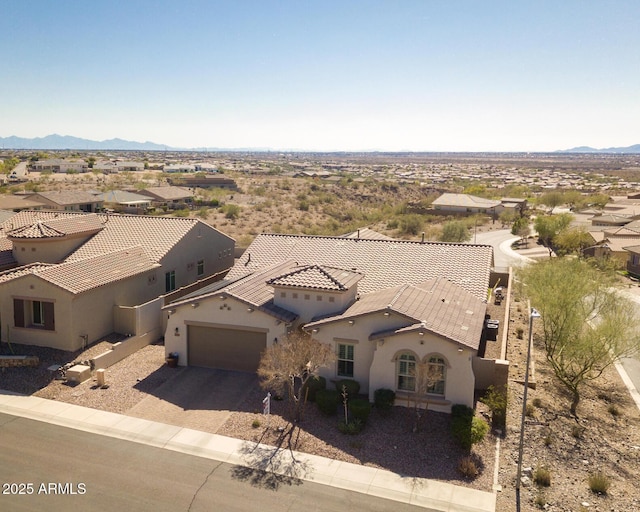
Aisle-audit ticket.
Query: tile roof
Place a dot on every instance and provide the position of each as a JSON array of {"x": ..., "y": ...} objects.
[
  {"x": 169, "y": 193},
  {"x": 158, "y": 235},
  {"x": 318, "y": 277},
  {"x": 464, "y": 200},
  {"x": 66, "y": 197},
  {"x": 123, "y": 197},
  {"x": 59, "y": 227},
  {"x": 84, "y": 275},
  {"x": 368, "y": 233},
  {"x": 251, "y": 289},
  {"x": 436, "y": 305},
  {"x": 14, "y": 273},
  {"x": 384, "y": 263},
  {"x": 6, "y": 252}
]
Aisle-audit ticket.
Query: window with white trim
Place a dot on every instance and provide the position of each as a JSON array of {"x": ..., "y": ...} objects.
[
  {"x": 406, "y": 372},
  {"x": 345, "y": 360}
]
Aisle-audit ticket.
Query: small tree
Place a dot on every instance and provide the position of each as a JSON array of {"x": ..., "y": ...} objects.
[
  {"x": 286, "y": 367},
  {"x": 426, "y": 377},
  {"x": 587, "y": 324},
  {"x": 455, "y": 231},
  {"x": 548, "y": 227},
  {"x": 521, "y": 228}
]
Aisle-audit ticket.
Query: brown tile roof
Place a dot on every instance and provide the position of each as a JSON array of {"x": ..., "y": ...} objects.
[
  {"x": 84, "y": 275},
  {"x": 437, "y": 305},
  {"x": 66, "y": 197},
  {"x": 170, "y": 193},
  {"x": 14, "y": 273},
  {"x": 6, "y": 252},
  {"x": 59, "y": 227},
  {"x": 384, "y": 263},
  {"x": 158, "y": 235},
  {"x": 318, "y": 277},
  {"x": 367, "y": 233},
  {"x": 251, "y": 289}
]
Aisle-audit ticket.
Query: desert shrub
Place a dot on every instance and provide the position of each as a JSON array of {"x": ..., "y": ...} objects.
[
  {"x": 383, "y": 399},
  {"x": 519, "y": 333},
  {"x": 613, "y": 410},
  {"x": 255, "y": 424},
  {"x": 529, "y": 410},
  {"x": 231, "y": 211},
  {"x": 461, "y": 411},
  {"x": 577, "y": 431},
  {"x": 467, "y": 467},
  {"x": 352, "y": 386},
  {"x": 359, "y": 409},
  {"x": 537, "y": 402},
  {"x": 181, "y": 213},
  {"x": 313, "y": 385},
  {"x": 355, "y": 426},
  {"x": 548, "y": 437},
  {"x": 540, "y": 500},
  {"x": 496, "y": 401},
  {"x": 327, "y": 400},
  {"x": 542, "y": 477},
  {"x": 599, "y": 482},
  {"x": 468, "y": 430}
]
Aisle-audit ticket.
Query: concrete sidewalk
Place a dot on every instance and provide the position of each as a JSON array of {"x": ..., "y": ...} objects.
[{"x": 421, "y": 492}]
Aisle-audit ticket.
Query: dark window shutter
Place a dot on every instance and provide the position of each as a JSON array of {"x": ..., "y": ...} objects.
[
  {"x": 18, "y": 312},
  {"x": 49, "y": 318}
]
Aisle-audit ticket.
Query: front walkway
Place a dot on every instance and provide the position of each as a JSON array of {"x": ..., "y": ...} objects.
[{"x": 430, "y": 494}]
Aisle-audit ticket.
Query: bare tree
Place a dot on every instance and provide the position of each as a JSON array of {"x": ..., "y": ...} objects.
[
  {"x": 287, "y": 366},
  {"x": 427, "y": 375}
]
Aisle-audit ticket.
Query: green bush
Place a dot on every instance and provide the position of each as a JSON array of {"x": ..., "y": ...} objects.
[
  {"x": 461, "y": 411},
  {"x": 496, "y": 400},
  {"x": 353, "y": 427},
  {"x": 327, "y": 400},
  {"x": 313, "y": 385},
  {"x": 359, "y": 409},
  {"x": 383, "y": 399},
  {"x": 468, "y": 430},
  {"x": 353, "y": 387}
]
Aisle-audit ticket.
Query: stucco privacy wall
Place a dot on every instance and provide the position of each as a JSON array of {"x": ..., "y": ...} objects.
[{"x": 229, "y": 313}]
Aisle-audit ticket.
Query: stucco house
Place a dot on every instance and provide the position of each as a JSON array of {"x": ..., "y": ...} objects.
[
  {"x": 165, "y": 196},
  {"x": 384, "y": 306},
  {"x": 71, "y": 275},
  {"x": 68, "y": 200}
]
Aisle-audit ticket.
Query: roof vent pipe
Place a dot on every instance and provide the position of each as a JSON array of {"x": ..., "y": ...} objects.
[{"x": 422, "y": 238}]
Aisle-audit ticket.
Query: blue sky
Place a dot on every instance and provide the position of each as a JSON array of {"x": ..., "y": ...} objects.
[{"x": 420, "y": 75}]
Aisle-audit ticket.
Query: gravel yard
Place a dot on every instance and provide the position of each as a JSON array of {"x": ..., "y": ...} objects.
[{"x": 386, "y": 442}]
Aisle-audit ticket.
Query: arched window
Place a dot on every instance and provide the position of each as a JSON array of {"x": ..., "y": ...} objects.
[
  {"x": 406, "y": 372},
  {"x": 438, "y": 373}
]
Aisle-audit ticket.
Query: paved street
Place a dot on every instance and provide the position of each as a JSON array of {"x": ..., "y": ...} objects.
[{"x": 108, "y": 474}]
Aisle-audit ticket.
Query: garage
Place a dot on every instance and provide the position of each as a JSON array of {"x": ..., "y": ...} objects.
[{"x": 227, "y": 348}]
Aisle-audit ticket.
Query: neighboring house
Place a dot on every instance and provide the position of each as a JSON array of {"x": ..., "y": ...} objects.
[
  {"x": 17, "y": 203},
  {"x": 633, "y": 260},
  {"x": 74, "y": 275},
  {"x": 383, "y": 305},
  {"x": 465, "y": 203},
  {"x": 164, "y": 196},
  {"x": 171, "y": 168},
  {"x": 60, "y": 165},
  {"x": 122, "y": 200},
  {"x": 468, "y": 204},
  {"x": 205, "y": 182},
  {"x": 69, "y": 200}
]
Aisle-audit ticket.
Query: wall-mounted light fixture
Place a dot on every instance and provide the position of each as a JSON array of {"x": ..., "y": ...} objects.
[
  {"x": 315, "y": 330},
  {"x": 177, "y": 332},
  {"x": 249, "y": 310},
  {"x": 351, "y": 322},
  {"x": 194, "y": 305},
  {"x": 386, "y": 313},
  {"x": 172, "y": 311}
]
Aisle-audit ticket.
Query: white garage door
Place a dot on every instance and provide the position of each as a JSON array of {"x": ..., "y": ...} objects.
[{"x": 230, "y": 349}]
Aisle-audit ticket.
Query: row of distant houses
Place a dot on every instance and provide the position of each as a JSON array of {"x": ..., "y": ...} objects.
[{"x": 76, "y": 165}]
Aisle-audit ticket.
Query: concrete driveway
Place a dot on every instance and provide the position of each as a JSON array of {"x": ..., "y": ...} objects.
[{"x": 197, "y": 398}]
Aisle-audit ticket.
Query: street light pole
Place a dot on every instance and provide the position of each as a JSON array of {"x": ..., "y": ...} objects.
[{"x": 532, "y": 314}]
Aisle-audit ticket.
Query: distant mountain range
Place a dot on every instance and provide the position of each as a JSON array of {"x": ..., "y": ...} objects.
[
  {"x": 586, "y": 149},
  {"x": 67, "y": 142},
  {"x": 62, "y": 142}
]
